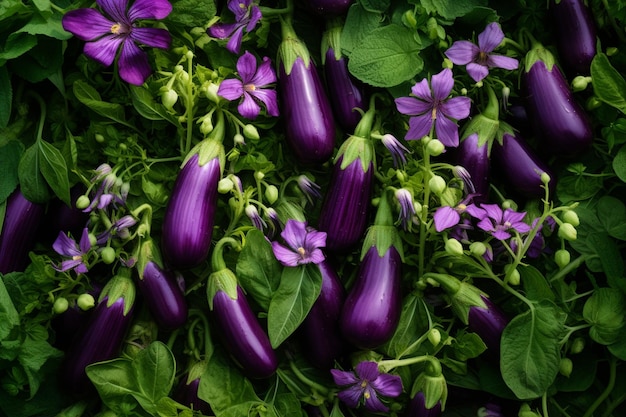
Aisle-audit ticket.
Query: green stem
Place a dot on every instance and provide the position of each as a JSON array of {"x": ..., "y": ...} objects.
[
  {"x": 42, "y": 114},
  {"x": 190, "y": 100},
  {"x": 389, "y": 364},
  {"x": 569, "y": 268},
  {"x": 544, "y": 404},
  {"x": 317, "y": 387},
  {"x": 217, "y": 259},
  {"x": 607, "y": 391}
]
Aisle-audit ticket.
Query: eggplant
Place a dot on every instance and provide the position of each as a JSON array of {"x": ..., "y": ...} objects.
[
  {"x": 308, "y": 115},
  {"x": 346, "y": 92},
  {"x": 475, "y": 159},
  {"x": 242, "y": 334},
  {"x": 320, "y": 328},
  {"x": 163, "y": 296},
  {"x": 187, "y": 394},
  {"x": 102, "y": 337},
  {"x": 417, "y": 407},
  {"x": 488, "y": 322},
  {"x": 190, "y": 214},
  {"x": 558, "y": 119},
  {"x": 521, "y": 166},
  {"x": 18, "y": 235},
  {"x": 575, "y": 33},
  {"x": 328, "y": 8}
]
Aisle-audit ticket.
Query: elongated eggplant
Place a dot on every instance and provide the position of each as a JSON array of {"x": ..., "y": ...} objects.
[
  {"x": 163, "y": 296},
  {"x": 521, "y": 166},
  {"x": 19, "y": 232},
  {"x": 558, "y": 119},
  {"x": 190, "y": 214},
  {"x": 475, "y": 159},
  {"x": 320, "y": 329},
  {"x": 308, "y": 115},
  {"x": 417, "y": 407},
  {"x": 575, "y": 34},
  {"x": 488, "y": 322}
]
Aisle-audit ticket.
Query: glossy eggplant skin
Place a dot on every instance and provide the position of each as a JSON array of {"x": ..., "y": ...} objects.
[
  {"x": 320, "y": 329},
  {"x": 101, "y": 339},
  {"x": 558, "y": 119},
  {"x": 345, "y": 92},
  {"x": 327, "y": 8},
  {"x": 417, "y": 407},
  {"x": 488, "y": 323},
  {"x": 575, "y": 34},
  {"x": 521, "y": 166},
  {"x": 19, "y": 232},
  {"x": 371, "y": 311},
  {"x": 190, "y": 214},
  {"x": 187, "y": 394},
  {"x": 243, "y": 336},
  {"x": 345, "y": 210},
  {"x": 308, "y": 115},
  {"x": 164, "y": 298},
  {"x": 475, "y": 159}
]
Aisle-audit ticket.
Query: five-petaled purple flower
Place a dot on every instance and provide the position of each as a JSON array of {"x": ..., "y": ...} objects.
[
  {"x": 251, "y": 86},
  {"x": 479, "y": 59},
  {"x": 446, "y": 216},
  {"x": 247, "y": 15},
  {"x": 365, "y": 385},
  {"x": 433, "y": 107},
  {"x": 105, "y": 35},
  {"x": 77, "y": 252},
  {"x": 304, "y": 243},
  {"x": 499, "y": 223}
]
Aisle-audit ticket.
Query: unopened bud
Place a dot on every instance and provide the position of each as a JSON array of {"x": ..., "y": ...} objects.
[
  {"x": 435, "y": 147},
  {"x": 611, "y": 50},
  {"x": 578, "y": 345},
  {"x": 545, "y": 178},
  {"x": 437, "y": 184},
  {"x": 565, "y": 367},
  {"x": 259, "y": 175},
  {"x": 408, "y": 18},
  {"x": 562, "y": 258},
  {"x": 434, "y": 337},
  {"x": 107, "y": 255},
  {"x": 477, "y": 248},
  {"x": 60, "y": 305},
  {"x": 571, "y": 217},
  {"x": 82, "y": 202},
  {"x": 506, "y": 204},
  {"x": 593, "y": 103},
  {"x": 211, "y": 92},
  {"x": 580, "y": 83},
  {"x": 99, "y": 138},
  {"x": 271, "y": 194},
  {"x": 454, "y": 247},
  {"x": 225, "y": 185},
  {"x": 206, "y": 126},
  {"x": 567, "y": 231},
  {"x": 512, "y": 274},
  {"x": 169, "y": 97},
  {"x": 251, "y": 132},
  {"x": 85, "y": 302}
]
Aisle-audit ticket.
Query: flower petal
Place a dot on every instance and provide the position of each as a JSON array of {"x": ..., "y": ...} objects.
[
  {"x": 294, "y": 233},
  {"x": 285, "y": 256},
  {"x": 222, "y": 30},
  {"x": 501, "y": 61},
  {"x": 67, "y": 265},
  {"x": 462, "y": 52},
  {"x": 133, "y": 64},
  {"x": 87, "y": 24},
  {"x": 422, "y": 90},
  {"x": 85, "y": 243},
  {"x": 315, "y": 257},
  {"x": 104, "y": 49},
  {"x": 65, "y": 245},
  {"x": 412, "y": 106},
  {"x": 265, "y": 74},
  {"x": 367, "y": 370},
  {"x": 442, "y": 84},
  {"x": 269, "y": 98},
  {"x": 314, "y": 239},
  {"x": 116, "y": 9},
  {"x": 494, "y": 211},
  {"x": 477, "y": 71},
  {"x": 351, "y": 396},
  {"x": 153, "y": 37},
  {"x": 373, "y": 403},
  {"x": 501, "y": 234},
  {"x": 248, "y": 108},
  {"x": 490, "y": 38},
  {"x": 456, "y": 108},
  {"x": 343, "y": 378},
  {"x": 230, "y": 89},
  {"x": 447, "y": 132},
  {"x": 419, "y": 127},
  {"x": 255, "y": 16},
  {"x": 149, "y": 9},
  {"x": 445, "y": 217},
  {"x": 234, "y": 43},
  {"x": 388, "y": 385},
  {"x": 246, "y": 67}
]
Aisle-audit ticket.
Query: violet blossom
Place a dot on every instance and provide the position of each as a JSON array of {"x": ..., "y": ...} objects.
[
  {"x": 247, "y": 15},
  {"x": 76, "y": 252},
  {"x": 304, "y": 244},
  {"x": 446, "y": 217},
  {"x": 407, "y": 209},
  {"x": 365, "y": 385},
  {"x": 250, "y": 87},
  {"x": 499, "y": 223},
  {"x": 479, "y": 59},
  {"x": 117, "y": 30},
  {"x": 255, "y": 217},
  {"x": 398, "y": 150},
  {"x": 309, "y": 188},
  {"x": 433, "y": 108}
]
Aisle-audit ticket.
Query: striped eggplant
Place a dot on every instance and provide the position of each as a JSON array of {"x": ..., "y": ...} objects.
[
  {"x": 346, "y": 92},
  {"x": 417, "y": 407},
  {"x": 371, "y": 312},
  {"x": 101, "y": 338},
  {"x": 328, "y": 8},
  {"x": 488, "y": 322},
  {"x": 18, "y": 231},
  {"x": 558, "y": 119},
  {"x": 345, "y": 209},
  {"x": 521, "y": 166},
  {"x": 308, "y": 116},
  {"x": 575, "y": 34},
  {"x": 190, "y": 214},
  {"x": 320, "y": 328}
]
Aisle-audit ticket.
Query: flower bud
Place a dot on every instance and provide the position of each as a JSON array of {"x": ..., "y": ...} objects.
[
  {"x": 60, "y": 305},
  {"x": 82, "y": 202},
  {"x": 580, "y": 82},
  {"x": 238, "y": 139},
  {"x": 567, "y": 231},
  {"x": 577, "y": 346},
  {"x": 251, "y": 132},
  {"x": 259, "y": 175},
  {"x": 225, "y": 185},
  {"x": 85, "y": 302},
  {"x": 108, "y": 255},
  {"x": 513, "y": 274},
  {"x": 99, "y": 138},
  {"x": 611, "y": 50},
  {"x": 477, "y": 248},
  {"x": 437, "y": 184},
  {"x": 545, "y": 178},
  {"x": 271, "y": 194},
  {"x": 593, "y": 103},
  {"x": 565, "y": 367},
  {"x": 525, "y": 411},
  {"x": 408, "y": 18},
  {"x": 435, "y": 147},
  {"x": 454, "y": 247},
  {"x": 571, "y": 217},
  {"x": 562, "y": 258},
  {"x": 509, "y": 204},
  {"x": 433, "y": 384},
  {"x": 169, "y": 97},
  {"x": 206, "y": 126},
  {"x": 434, "y": 337}
]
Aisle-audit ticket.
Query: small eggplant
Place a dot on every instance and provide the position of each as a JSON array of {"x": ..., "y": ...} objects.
[
  {"x": 575, "y": 34},
  {"x": 521, "y": 166},
  {"x": 187, "y": 394},
  {"x": 488, "y": 322},
  {"x": 417, "y": 407},
  {"x": 475, "y": 159},
  {"x": 163, "y": 297},
  {"x": 558, "y": 119},
  {"x": 320, "y": 329},
  {"x": 328, "y": 8},
  {"x": 190, "y": 213},
  {"x": 19, "y": 232},
  {"x": 308, "y": 115}
]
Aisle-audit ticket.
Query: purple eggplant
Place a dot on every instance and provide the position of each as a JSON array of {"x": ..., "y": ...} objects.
[
  {"x": 417, "y": 407},
  {"x": 101, "y": 338},
  {"x": 19, "y": 231},
  {"x": 187, "y": 394},
  {"x": 488, "y": 322},
  {"x": 242, "y": 334},
  {"x": 521, "y": 166},
  {"x": 320, "y": 329},
  {"x": 346, "y": 92},
  {"x": 163, "y": 297},
  {"x": 475, "y": 159},
  {"x": 558, "y": 119},
  {"x": 575, "y": 34},
  {"x": 189, "y": 217},
  {"x": 328, "y": 8},
  {"x": 308, "y": 116}
]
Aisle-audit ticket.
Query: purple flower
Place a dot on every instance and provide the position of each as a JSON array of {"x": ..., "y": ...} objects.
[
  {"x": 433, "y": 107},
  {"x": 76, "y": 252},
  {"x": 398, "y": 150},
  {"x": 309, "y": 188},
  {"x": 365, "y": 385},
  {"x": 304, "y": 244},
  {"x": 446, "y": 216},
  {"x": 117, "y": 30},
  {"x": 407, "y": 209},
  {"x": 255, "y": 217},
  {"x": 499, "y": 222},
  {"x": 247, "y": 15},
  {"x": 251, "y": 87},
  {"x": 479, "y": 59}
]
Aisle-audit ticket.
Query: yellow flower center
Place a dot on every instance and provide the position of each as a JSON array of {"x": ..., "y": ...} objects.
[
  {"x": 77, "y": 258},
  {"x": 301, "y": 251},
  {"x": 249, "y": 87},
  {"x": 242, "y": 6},
  {"x": 115, "y": 29},
  {"x": 433, "y": 114}
]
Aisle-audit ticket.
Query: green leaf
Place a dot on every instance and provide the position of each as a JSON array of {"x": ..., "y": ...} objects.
[
  {"x": 451, "y": 9},
  {"x": 375, "y": 5},
  {"x": 531, "y": 351},
  {"x": 583, "y": 373},
  {"x": 155, "y": 369},
  {"x": 605, "y": 311},
  {"x": 612, "y": 214},
  {"x": 9, "y": 316},
  {"x": 413, "y": 323},
  {"x": 608, "y": 84},
  {"x": 90, "y": 97},
  {"x": 9, "y": 159},
  {"x": 32, "y": 183},
  {"x": 298, "y": 289},
  {"x": 54, "y": 170},
  {"x": 6, "y": 97},
  {"x": 144, "y": 103},
  {"x": 468, "y": 346},
  {"x": 42, "y": 61},
  {"x": 386, "y": 57},
  {"x": 619, "y": 163},
  {"x": 358, "y": 24},
  {"x": 34, "y": 353},
  {"x": 50, "y": 26},
  {"x": 610, "y": 258},
  {"x": 535, "y": 284},
  {"x": 115, "y": 382},
  {"x": 16, "y": 45},
  {"x": 192, "y": 13},
  {"x": 257, "y": 268}
]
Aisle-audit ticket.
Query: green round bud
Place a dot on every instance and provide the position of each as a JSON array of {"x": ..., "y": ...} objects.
[
  {"x": 571, "y": 217},
  {"x": 271, "y": 194},
  {"x": 206, "y": 126},
  {"x": 593, "y": 103},
  {"x": 525, "y": 411},
  {"x": 108, "y": 255},
  {"x": 579, "y": 83},
  {"x": 60, "y": 305},
  {"x": 446, "y": 63},
  {"x": 513, "y": 275},
  {"x": 567, "y": 231},
  {"x": 251, "y": 132},
  {"x": 82, "y": 202},
  {"x": 454, "y": 247},
  {"x": 238, "y": 139},
  {"x": 99, "y": 138},
  {"x": 437, "y": 184},
  {"x": 434, "y": 337},
  {"x": 578, "y": 345},
  {"x": 565, "y": 367},
  {"x": 233, "y": 155},
  {"x": 435, "y": 147},
  {"x": 225, "y": 185},
  {"x": 85, "y": 302},
  {"x": 506, "y": 204},
  {"x": 93, "y": 240},
  {"x": 562, "y": 258},
  {"x": 259, "y": 175},
  {"x": 477, "y": 248},
  {"x": 408, "y": 18},
  {"x": 401, "y": 175},
  {"x": 611, "y": 50},
  {"x": 545, "y": 178},
  {"x": 169, "y": 98},
  {"x": 463, "y": 91},
  {"x": 211, "y": 92}
]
